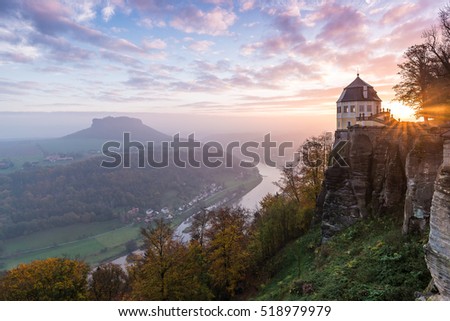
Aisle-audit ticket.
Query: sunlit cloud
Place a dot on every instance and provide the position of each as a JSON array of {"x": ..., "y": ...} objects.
[
  {"x": 201, "y": 46},
  {"x": 108, "y": 12},
  {"x": 154, "y": 44},
  {"x": 214, "y": 22}
]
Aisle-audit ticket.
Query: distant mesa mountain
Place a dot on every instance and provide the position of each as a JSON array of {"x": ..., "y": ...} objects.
[{"x": 113, "y": 128}]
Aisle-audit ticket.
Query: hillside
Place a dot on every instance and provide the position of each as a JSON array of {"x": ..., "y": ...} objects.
[{"x": 368, "y": 261}]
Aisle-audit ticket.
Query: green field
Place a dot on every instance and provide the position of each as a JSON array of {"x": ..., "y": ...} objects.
[{"x": 94, "y": 243}]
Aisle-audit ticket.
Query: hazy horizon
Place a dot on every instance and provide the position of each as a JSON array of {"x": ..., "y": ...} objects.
[{"x": 35, "y": 125}]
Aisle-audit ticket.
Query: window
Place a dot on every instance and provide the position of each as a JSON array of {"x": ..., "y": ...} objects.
[
  {"x": 369, "y": 108},
  {"x": 345, "y": 109},
  {"x": 352, "y": 108},
  {"x": 339, "y": 110},
  {"x": 361, "y": 108},
  {"x": 349, "y": 124}
]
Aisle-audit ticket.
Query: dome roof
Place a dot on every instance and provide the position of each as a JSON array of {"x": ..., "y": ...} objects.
[{"x": 355, "y": 92}]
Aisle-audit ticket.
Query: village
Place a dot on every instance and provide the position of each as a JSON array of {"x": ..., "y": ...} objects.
[{"x": 202, "y": 201}]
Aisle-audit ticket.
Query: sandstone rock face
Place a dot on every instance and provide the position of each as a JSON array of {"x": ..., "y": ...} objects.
[
  {"x": 438, "y": 247},
  {"x": 386, "y": 167},
  {"x": 339, "y": 208},
  {"x": 421, "y": 168}
]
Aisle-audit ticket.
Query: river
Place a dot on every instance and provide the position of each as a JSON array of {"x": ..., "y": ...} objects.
[
  {"x": 250, "y": 200},
  {"x": 270, "y": 175}
]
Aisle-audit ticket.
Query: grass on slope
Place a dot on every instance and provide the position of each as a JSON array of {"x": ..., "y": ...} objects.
[{"x": 368, "y": 261}]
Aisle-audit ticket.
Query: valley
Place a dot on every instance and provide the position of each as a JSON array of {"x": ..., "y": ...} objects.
[{"x": 71, "y": 207}]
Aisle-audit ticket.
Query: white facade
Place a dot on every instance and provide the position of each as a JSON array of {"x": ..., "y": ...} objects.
[{"x": 347, "y": 112}]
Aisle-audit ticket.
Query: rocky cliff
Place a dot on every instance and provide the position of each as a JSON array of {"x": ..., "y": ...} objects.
[
  {"x": 438, "y": 247},
  {"x": 393, "y": 170},
  {"x": 390, "y": 169}
]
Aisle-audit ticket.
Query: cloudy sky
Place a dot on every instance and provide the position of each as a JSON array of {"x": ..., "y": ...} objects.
[{"x": 201, "y": 57}]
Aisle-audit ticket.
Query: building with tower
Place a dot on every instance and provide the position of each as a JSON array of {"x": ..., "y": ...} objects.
[{"x": 359, "y": 104}]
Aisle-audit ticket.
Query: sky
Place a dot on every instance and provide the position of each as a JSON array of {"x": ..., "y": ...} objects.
[{"x": 244, "y": 58}]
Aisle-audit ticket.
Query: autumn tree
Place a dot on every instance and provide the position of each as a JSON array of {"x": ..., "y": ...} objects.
[
  {"x": 278, "y": 221},
  {"x": 46, "y": 280},
  {"x": 167, "y": 271},
  {"x": 198, "y": 245},
  {"x": 108, "y": 282},
  {"x": 199, "y": 225},
  {"x": 301, "y": 180},
  {"x": 227, "y": 237}
]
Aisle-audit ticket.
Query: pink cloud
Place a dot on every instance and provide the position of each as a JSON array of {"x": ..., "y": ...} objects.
[
  {"x": 281, "y": 8},
  {"x": 271, "y": 77},
  {"x": 344, "y": 25},
  {"x": 246, "y": 5},
  {"x": 123, "y": 59},
  {"x": 219, "y": 2},
  {"x": 289, "y": 35},
  {"x": 158, "y": 44},
  {"x": 201, "y": 46},
  {"x": 249, "y": 49},
  {"x": 60, "y": 48},
  {"x": 193, "y": 20},
  {"x": 150, "y": 6},
  {"x": 398, "y": 13},
  {"x": 383, "y": 65},
  {"x": 406, "y": 34},
  {"x": 108, "y": 12},
  {"x": 16, "y": 56},
  {"x": 313, "y": 49},
  {"x": 286, "y": 70},
  {"x": 52, "y": 18},
  {"x": 219, "y": 66}
]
